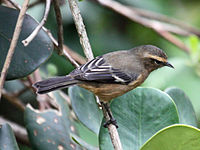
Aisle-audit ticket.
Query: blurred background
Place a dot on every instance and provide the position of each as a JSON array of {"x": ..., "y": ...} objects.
[{"x": 109, "y": 31}]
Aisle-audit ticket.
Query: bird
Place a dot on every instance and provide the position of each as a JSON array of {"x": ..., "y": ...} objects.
[{"x": 112, "y": 74}]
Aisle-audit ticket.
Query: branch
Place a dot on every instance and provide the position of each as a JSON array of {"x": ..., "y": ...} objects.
[
  {"x": 80, "y": 59},
  {"x": 13, "y": 44},
  {"x": 13, "y": 100},
  {"x": 81, "y": 29},
  {"x": 88, "y": 52},
  {"x": 13, "y": 3},
  {"x": 19, "y": 131},
  {"x": 37, "y": 29},
  {"x": 146, "y": 19},
  {"x": 65, "y": 51},
  {"x": 60, "y": 26},
  {"x": 173, "y": 40},
  {"x": 166, "y": 19},
  {"x": 112, "y": 131}
]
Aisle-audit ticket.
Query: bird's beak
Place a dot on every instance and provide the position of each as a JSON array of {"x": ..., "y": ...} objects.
[{"x": 169, "y": 65}]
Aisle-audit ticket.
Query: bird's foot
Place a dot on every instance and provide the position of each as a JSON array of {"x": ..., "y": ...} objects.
[
  {"x": 111, "y": 121},
  {"x": 111, "y": 118}
]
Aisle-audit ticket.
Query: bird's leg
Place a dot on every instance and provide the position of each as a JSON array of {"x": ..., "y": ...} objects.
[{"x": 112, "y": 120}]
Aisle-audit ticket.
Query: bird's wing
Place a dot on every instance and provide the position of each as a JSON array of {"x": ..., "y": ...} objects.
[{"x": 97, "y": 70}]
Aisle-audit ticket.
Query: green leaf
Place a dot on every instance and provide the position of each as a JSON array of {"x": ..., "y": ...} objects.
[
  {"x": 184, "y": 106},
  {"x": 7, "y": 138},
  {"x": 25, "y": 59},
  {"x": 183, "y": 76},
  {"x": 175, "y": 137},
  {"x": 82, "y": 143},
  {"x": 50, "y": 129},
  {"x": 140, "y": 113},
  {"x": 51, "y": 69},
  {"x": 194, "y": 44},
  {"x": 85, "y": 107}
]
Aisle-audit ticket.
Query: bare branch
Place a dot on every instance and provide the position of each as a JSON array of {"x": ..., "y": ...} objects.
[
  {"x": 173, "y": 40},
  {"x": 65, "y": 52},
  {"x": 37, "y": 29},
  {"x": 60, "y": 26},
  {"x": 13, "y": 3},
  {"x": 20, "y": 92},
  {"x": 112, "y": 131},
  {"x": 13, "y": 44},
  {"x": 166, "y": 19},
  {"x": 88, "y": 52},
  {"x": 13, "y": 100},
  {"x": 146, "y": 19},
  {"x": 80, "y": 59},
  {"x": 81, "y": 29}
]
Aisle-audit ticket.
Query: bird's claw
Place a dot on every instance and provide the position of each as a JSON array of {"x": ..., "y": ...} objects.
[{"x": 111, "y": 121}]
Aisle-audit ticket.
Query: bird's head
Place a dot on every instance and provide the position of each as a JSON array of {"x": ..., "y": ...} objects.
[{"x": 152, "y": 57}]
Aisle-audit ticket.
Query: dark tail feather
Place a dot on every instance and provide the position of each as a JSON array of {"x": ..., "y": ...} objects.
[{"x": 55, "y": 83}]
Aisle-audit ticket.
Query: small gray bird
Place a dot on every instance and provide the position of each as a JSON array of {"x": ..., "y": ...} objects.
[{"x": 112, "y": 74}]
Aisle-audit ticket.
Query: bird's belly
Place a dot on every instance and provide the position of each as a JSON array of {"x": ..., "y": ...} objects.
[{"x": 107, "y": 92}]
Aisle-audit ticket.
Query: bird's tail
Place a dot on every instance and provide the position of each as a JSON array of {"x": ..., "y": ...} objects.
[{"x": 55, "y": 83}]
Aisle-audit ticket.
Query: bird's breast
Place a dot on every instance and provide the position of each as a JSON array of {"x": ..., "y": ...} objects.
[{"x": 107, "y": 92}]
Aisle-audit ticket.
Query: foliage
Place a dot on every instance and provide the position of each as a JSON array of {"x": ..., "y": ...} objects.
[
  {"x": 162, "y": 117},
  {"x": 30, "y": 57},
  {"x": 7, "y": 138}
]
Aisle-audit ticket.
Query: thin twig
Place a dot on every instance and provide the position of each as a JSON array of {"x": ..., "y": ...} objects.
[
  {"x": 79, "y": 59},
  {"x": 13, "y": 44},
  {"x": 13, "y": 100},
  {"x": 144, "y": 19},
  {"x": 173, "y": 40},
  {"x": 88, "y": 52},
  {"x": 13, "y": 3},
  {"x": 81, "y": 29},
  {"x": 65, "y": 52},
  {"x": 20, "y": 92},
  {"x": 164, "y": 18},
  {"x": 60, "y": 26},
  {"x": 19, "y": 131},
  {"x": 37, "y": 29}
]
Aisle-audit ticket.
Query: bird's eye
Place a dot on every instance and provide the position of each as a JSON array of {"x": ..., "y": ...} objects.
[{"x": 157, "y": 62}]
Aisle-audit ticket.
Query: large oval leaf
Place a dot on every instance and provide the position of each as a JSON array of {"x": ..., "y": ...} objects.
[
  {"x": 175, "y": 137},
  {"x": 184, "y": 77},
  {"x": 85, "y": 107},
  {"x": 140, "y": 113},
  {"x": 25, "y": 59},
  {"x": 7, "y": 138},
  {"x": 184, "y": 106},
  {"x": 51, "y": 129}
]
